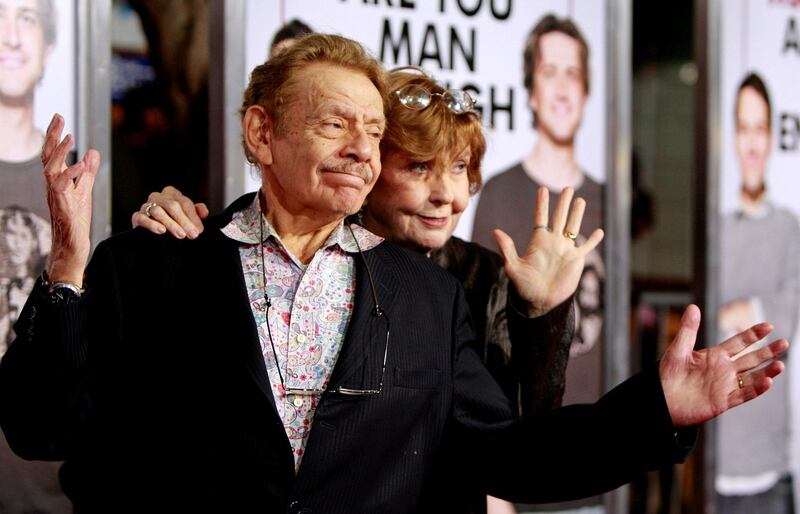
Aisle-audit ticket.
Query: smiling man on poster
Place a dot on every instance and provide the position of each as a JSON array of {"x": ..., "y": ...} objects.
[
  {"x": 557, "y": 78},
  {"x": 27, "y": 37},
  {"x": 760, "y": 276}
]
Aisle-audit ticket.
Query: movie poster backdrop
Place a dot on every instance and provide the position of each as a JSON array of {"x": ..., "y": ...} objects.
[
  {"x": 38, "y": 66},
  {"x": 478, "y": 45},
  {"x": 38, "y": 75},
  {"x": 759, "y": 231}
]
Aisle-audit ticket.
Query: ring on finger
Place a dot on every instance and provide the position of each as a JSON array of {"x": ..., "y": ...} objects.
[
  {"x": 541, "y": 225},
  {"x": 570, "y": 235},
  {"x": 740, "y": 381},
  {"x": 147, "y": 209}
]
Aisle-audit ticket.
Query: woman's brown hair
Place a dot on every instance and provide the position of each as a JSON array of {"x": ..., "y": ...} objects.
[{"x": 434, "y": 132}]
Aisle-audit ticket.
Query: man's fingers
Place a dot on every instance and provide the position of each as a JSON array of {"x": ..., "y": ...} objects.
[
  {"x": 51, "y": 137},
  {"x": 559, "y": 220},
  {"x": 742, "y": 340},
  {"x": 92, "y": 159},
  {"x": 56, "y": 163},
  {"x": 53, "y": 121},
  {"x": 687, "y": 335},
  {"x": 80, "y": 176},
  {"x": 85, "y": 180},
  {"x": 506, "y": 246},
  {"x": 759, "y": 357},
  {"x": 541, "y": 213}
]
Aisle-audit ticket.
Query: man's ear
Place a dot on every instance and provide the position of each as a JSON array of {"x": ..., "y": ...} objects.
[
  {"x": 769, "y": 142},
  {"x": 532, "y": 101},
  {"x": 257, "y": 129}
]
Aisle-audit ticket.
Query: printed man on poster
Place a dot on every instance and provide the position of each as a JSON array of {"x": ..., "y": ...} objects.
[
  {"x": 27, "y": 38},
  {"x": 753, "y": 455},
  {"x": 556, "y": 71}
]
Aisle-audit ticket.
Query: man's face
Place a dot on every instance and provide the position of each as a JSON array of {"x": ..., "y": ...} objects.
[
  {"x": 558, "y": 94},
  {"x": 22, "y": 48},
  {"x": 326, "y": 159},
  {"x": 753, "y": 138}
]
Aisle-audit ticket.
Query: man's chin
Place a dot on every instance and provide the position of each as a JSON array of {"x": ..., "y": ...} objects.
[
  {"x": 560, "y": 136},
  {"x": 563, "y": 138},
  {"x": 16, "y": 96},
  {"x": 347, "y": 206}
]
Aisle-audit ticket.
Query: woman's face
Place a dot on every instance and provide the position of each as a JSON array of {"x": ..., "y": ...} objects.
[{"x": 418, "y": 204}]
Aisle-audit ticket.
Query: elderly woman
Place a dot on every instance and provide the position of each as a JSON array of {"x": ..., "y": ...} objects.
[{"x": 431, "y": 164}]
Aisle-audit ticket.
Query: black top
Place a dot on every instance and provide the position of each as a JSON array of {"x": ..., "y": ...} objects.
[{"x": 526, "y": 356}]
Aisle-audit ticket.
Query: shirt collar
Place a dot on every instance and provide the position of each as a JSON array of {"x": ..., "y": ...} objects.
[
  {"x": 245, "y": 228},
  {"x": 762, "y": 210}
]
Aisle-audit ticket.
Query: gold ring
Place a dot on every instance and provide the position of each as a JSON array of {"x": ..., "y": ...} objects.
[
  {"x": 570, "y": 235},
  {"x": 740, "y": 380},
  {"x": 147, "y": 209}
]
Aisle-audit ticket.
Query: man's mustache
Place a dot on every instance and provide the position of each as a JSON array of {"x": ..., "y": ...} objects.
[{"x": 351, "y": 168}]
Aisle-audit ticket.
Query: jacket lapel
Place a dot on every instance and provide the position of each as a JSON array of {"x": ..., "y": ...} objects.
[
  {"x": 361, "y": 359},
  {"x": 241, "y": 315}
]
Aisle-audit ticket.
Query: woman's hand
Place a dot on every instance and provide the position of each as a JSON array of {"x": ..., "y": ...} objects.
[
  {"x": 171, "y": 211},
  {"x": 549, "y": 270}
]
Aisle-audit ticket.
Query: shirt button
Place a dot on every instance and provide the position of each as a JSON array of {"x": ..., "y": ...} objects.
[
  {"x": 301, "y": 338},
  {"x": 297, "y": 402}
]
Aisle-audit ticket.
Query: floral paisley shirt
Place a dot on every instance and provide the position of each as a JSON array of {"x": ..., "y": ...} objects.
[{"x": 311, "y": 306}]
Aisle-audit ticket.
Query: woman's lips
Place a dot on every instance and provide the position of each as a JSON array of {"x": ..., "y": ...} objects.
[{"x": 434, "y": 221}]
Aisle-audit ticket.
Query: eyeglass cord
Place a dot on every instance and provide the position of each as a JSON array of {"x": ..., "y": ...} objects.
[{"x": 268, "y": 302}]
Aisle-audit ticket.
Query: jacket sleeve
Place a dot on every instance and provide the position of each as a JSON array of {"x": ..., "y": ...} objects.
[
  {"x": 45, "y": 378},
  {"x": 539, "y": 353},
  {"x": 527, "y": 356},
  {"x": 568, "y": 453}
]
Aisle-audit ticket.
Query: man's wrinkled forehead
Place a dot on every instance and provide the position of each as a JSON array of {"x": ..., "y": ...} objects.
[
  {"x": 25, "y": 6},
  {"x": 316, "y": 85}
]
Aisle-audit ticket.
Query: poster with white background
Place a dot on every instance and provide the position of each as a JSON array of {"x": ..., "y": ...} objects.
[
  {"x": 474, "y": 44},
  {"x": 56, "y": 92},
  {"x": 760, "y": 37}
]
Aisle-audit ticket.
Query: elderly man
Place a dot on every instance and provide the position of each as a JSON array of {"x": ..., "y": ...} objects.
[{"x": 287, "y": 360}]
